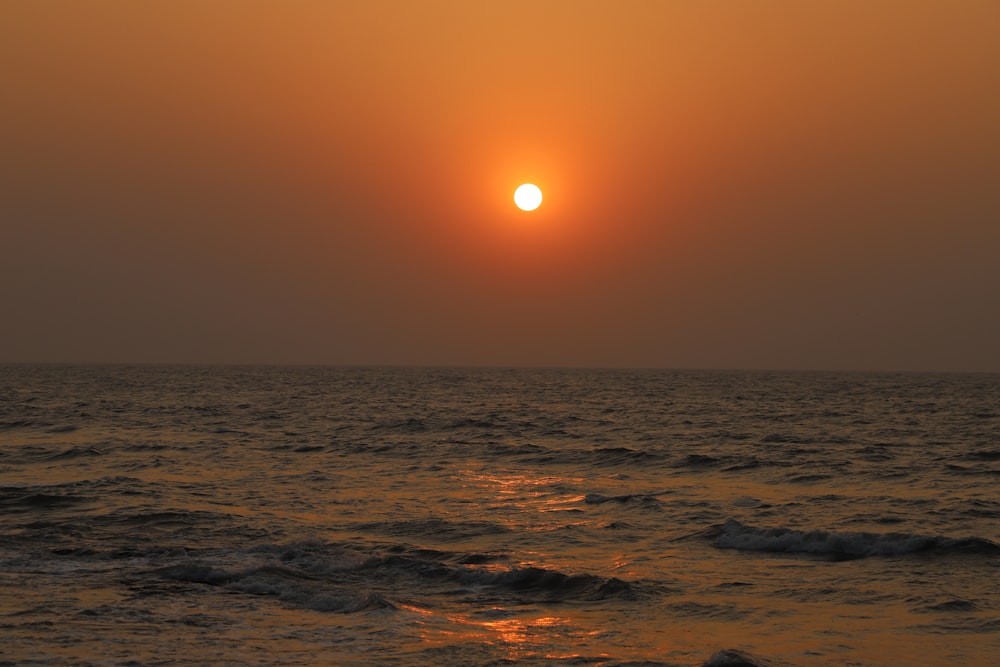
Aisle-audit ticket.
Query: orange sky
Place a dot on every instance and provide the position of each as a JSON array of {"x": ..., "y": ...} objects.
[{"x": 727, "y": 184}]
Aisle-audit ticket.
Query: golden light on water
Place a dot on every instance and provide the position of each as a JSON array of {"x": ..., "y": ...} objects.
[
  {"x": 520, "y": 638},
  {"x": 522, "y": 490}
]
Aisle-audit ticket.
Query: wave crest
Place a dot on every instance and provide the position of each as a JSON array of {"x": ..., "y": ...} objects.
[{"x": 735, "y": 535}]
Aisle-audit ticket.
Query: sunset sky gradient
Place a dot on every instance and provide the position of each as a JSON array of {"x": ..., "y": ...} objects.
[{"x": 775, "y": 184}]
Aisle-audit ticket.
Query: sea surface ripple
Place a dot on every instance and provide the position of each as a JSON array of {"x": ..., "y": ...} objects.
[{"x": 155, "y": 515}]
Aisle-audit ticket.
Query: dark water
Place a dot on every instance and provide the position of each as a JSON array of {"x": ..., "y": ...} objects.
[{"x": 241, "y": 515}]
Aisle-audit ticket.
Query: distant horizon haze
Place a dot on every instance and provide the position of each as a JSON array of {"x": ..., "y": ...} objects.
[
  {"x": 775, "y": 185},
  {"x": 459, "y": 367}
]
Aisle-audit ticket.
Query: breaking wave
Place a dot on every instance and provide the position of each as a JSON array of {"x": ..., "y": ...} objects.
[{"x": 845, "y": 545}]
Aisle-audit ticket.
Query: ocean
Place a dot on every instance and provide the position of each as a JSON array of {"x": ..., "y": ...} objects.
[{"x": 200, "y": 515}]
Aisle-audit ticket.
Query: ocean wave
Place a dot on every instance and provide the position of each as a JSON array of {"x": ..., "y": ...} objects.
[
  {"x": 549, "y": 585},
  {"x": 845, "y": 545},
  {"x": 608, "y": 456},
  {"x": 699, "y": 461},
  {"x": 808, "y": 477},
  {"x": 639, "y": 498},
  {"x": 534, "y": 453},
  {"x": 690, "y": 609},
  {"x": 724, "y": 463},
  {"x": 284, "y": 583},
  {"x": 600, "y": 456},
  {"x": 971, "y": 624},
  {"x": 410, "y": 425},
  {"x": 322, "y": 579},
  {"x": 949, "y": 606},
  {"x": 748, "y": 464},
  {"x": 96, "y": 483},
  {"x": 434, "y": 527},
  {"x": 734, "y": 658},
  {"x": 470, "y": 423},
  {"x": 20, "y": 502},
  {"x": 178, "y": 519},
  {"x": 145, "y": 447},
  {"x": 65, "y": 428},
  {"x": 785, "y": 438},
  {"x": 75, "y": 452},
  {"x": 969, "y": 470},
  {"x": 19, "y": 498},
  {"x": 18, "y": 424}
]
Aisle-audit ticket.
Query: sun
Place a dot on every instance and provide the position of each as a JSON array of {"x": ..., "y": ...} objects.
[{"x": 528, "y": 197}]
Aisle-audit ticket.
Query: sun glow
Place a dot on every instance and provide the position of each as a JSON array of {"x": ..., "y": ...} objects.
[{"x": 528, "y": 197}]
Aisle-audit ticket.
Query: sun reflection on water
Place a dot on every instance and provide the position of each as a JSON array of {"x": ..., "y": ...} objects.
[
  {"x": 516, "y": 638},
  {"x": 522, "y": 489}
]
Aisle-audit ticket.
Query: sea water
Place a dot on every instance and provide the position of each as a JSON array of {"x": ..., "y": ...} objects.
[{"x": 169, "y": 515}]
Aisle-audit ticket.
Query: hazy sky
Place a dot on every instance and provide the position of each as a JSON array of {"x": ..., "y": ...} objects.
[{"x": 779, "y": 184}]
